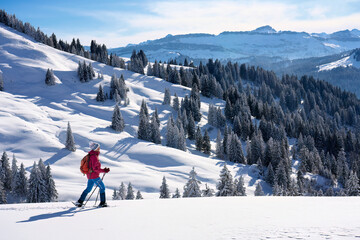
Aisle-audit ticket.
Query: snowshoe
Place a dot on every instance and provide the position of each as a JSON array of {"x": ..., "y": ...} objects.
[
  {"x": 78, "y": 204},
  {"x": 103, "y": 204}
]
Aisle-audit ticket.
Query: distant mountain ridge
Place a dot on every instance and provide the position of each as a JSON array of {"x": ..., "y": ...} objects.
[{"x": 244, "y": 46}]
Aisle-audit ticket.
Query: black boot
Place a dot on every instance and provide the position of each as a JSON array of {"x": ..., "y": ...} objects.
[
  {"x": 79, "y": 203},
  {"x": 102, "y": 200}
]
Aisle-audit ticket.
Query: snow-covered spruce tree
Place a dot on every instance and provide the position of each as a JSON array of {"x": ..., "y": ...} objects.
[
  {"x": 192, "y": 188},
  {"x": 176, "y": 103},
  {"x": 176, "y": 194},
  {"x": 42, "y": 168},
  {"x": 136, "y": 63},
  {"x": 52, "y": 194},
  {"x": 1, "y": 82},
  {"x": 270, "y": 175},
  {"x": 171, "y": 133},
  {"x": 115, "y": 195},
  {"x": 122, "y": 191},
  {"x": 198, "y": 139},
  {"x": 14, "y": 171},
  {"x": 240, "y": 189},
  {"x": 138, "y": 195},
  {"x": 225, "y": 140},
  {"x": 208, "y": 192},
  {"x": 143, "y": 130},
  {"x": 191, "y": 127},
  {"x": 225, "y": 186},
  {"x": 352, "y": 187},
  {"x": 219, "y": 146},
  {"x": 164, "y": 189},
  {"x": 50, "y": 77},
  {"x": 5, "y": 172},
  {"x": 100, "y": 97},
  {"x": 70, "y": 142},
  {"x": 20, "y": 188},
  {"x": 37, "y": 188},
  {"x": 91, "y": 72},
  {"x": 167, "y": 97},
  {"x": 2, "y": 194},
  {"x": 117, "y": 122},
  {"x": 155, "y": 131},
  {"x": 181, "y": 139},
  {"x": 206, "y": 145},
  {"x": 234, "y": 151},
  {"x": 130, "y": 192},
  {"x": 212, "y": 115},
  {"x": 258, "y": 190}
]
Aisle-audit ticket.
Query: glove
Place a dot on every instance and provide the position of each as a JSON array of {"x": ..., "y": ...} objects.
[{"x": 107, "y": 170}]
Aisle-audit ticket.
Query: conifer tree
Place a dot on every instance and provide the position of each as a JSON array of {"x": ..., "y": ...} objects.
[
  {"x": 167, "y": 97},
  {"x": 176, "y": 194},
  {"x": 50, "y": 77},
  {"x": 181, "y": 139},
  {"x": 164, "y": 189},
  {"x": 176, "y": 104},
  {"x": 206, "y": 146},
  {"x": 100, "y": 97},
  {"x": 70, "y": 142},
  {"x": 117, "y": 120},
  {"x": 14, "y": 171},
  {"x": 208, "y": 192},
  {"x": 1, "y": 82},
  {"x": 52, "y": 194},
  {"x": 155, "y": 131},
  {"x": 225, "y": 185},
  {"x": 143, "y": 130},
  {"x": 122, "y": 191},
  {"x": 2, "y": 194},
  {"x": 20, "y": 188},
  {"x": 171, "y": 133},
  {"x": 352, "y": 187},
  {"x": 192, "y": 188},
  {"x": 115, "y": 195},
  {"x": 219, "y": 146},
  {"x": 258, "y": 190},
  {"x": 198, "y": 139},
  {"x": 240, "y": 189},
  {"x": 130, "y": 193},
  {"x": 138, "y": 195},
  {"x": 270, "y": 175},
  {"x": 5, "y": 172},
  {"x": 191, "y": 128},
  {"x": 234, "y": 151},
  {"x": 37, "y": 188}
]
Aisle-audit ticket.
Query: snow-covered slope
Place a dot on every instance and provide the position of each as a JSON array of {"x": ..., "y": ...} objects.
[
  {"x": 198, "y": 218},
  {"x": 346, "y": 61},
  {"x": 34, "y": 117},
  {"x": 264, "y": 42}
]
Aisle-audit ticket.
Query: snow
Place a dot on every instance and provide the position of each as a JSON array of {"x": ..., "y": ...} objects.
[
  {"x": 195, "y": 218},
  {"x": 343, "y": 62}
]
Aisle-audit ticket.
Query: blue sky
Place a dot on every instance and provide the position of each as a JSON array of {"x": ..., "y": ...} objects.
[{"x": 118, "y": 23}]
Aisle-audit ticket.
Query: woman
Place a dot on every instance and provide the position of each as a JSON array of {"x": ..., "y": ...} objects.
[{"x": 93, "y": 176}]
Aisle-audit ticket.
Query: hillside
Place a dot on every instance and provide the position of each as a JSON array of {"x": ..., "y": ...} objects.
[{"x": 33, "y": 123}]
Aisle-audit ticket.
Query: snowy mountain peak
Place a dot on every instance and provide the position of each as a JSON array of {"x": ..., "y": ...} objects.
[{"x": 265, "y": 29}]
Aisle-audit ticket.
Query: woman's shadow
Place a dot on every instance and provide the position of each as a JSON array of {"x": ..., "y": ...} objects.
[{"x": 66, "y": 213}]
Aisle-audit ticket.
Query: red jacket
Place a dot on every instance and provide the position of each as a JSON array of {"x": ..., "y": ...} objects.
[{"x": 95, "y": 165}]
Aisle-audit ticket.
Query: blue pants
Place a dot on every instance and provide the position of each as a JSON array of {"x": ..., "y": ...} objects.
[{"x": 90, "y": 185}]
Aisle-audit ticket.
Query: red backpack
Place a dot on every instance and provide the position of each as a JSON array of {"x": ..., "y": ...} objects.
[{"x": 84, "y": 165}]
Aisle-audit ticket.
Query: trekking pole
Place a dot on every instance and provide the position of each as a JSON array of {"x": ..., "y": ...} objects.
[
  {"x": 99, "y": 190},
  {"x": 93, "y": 191}
]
